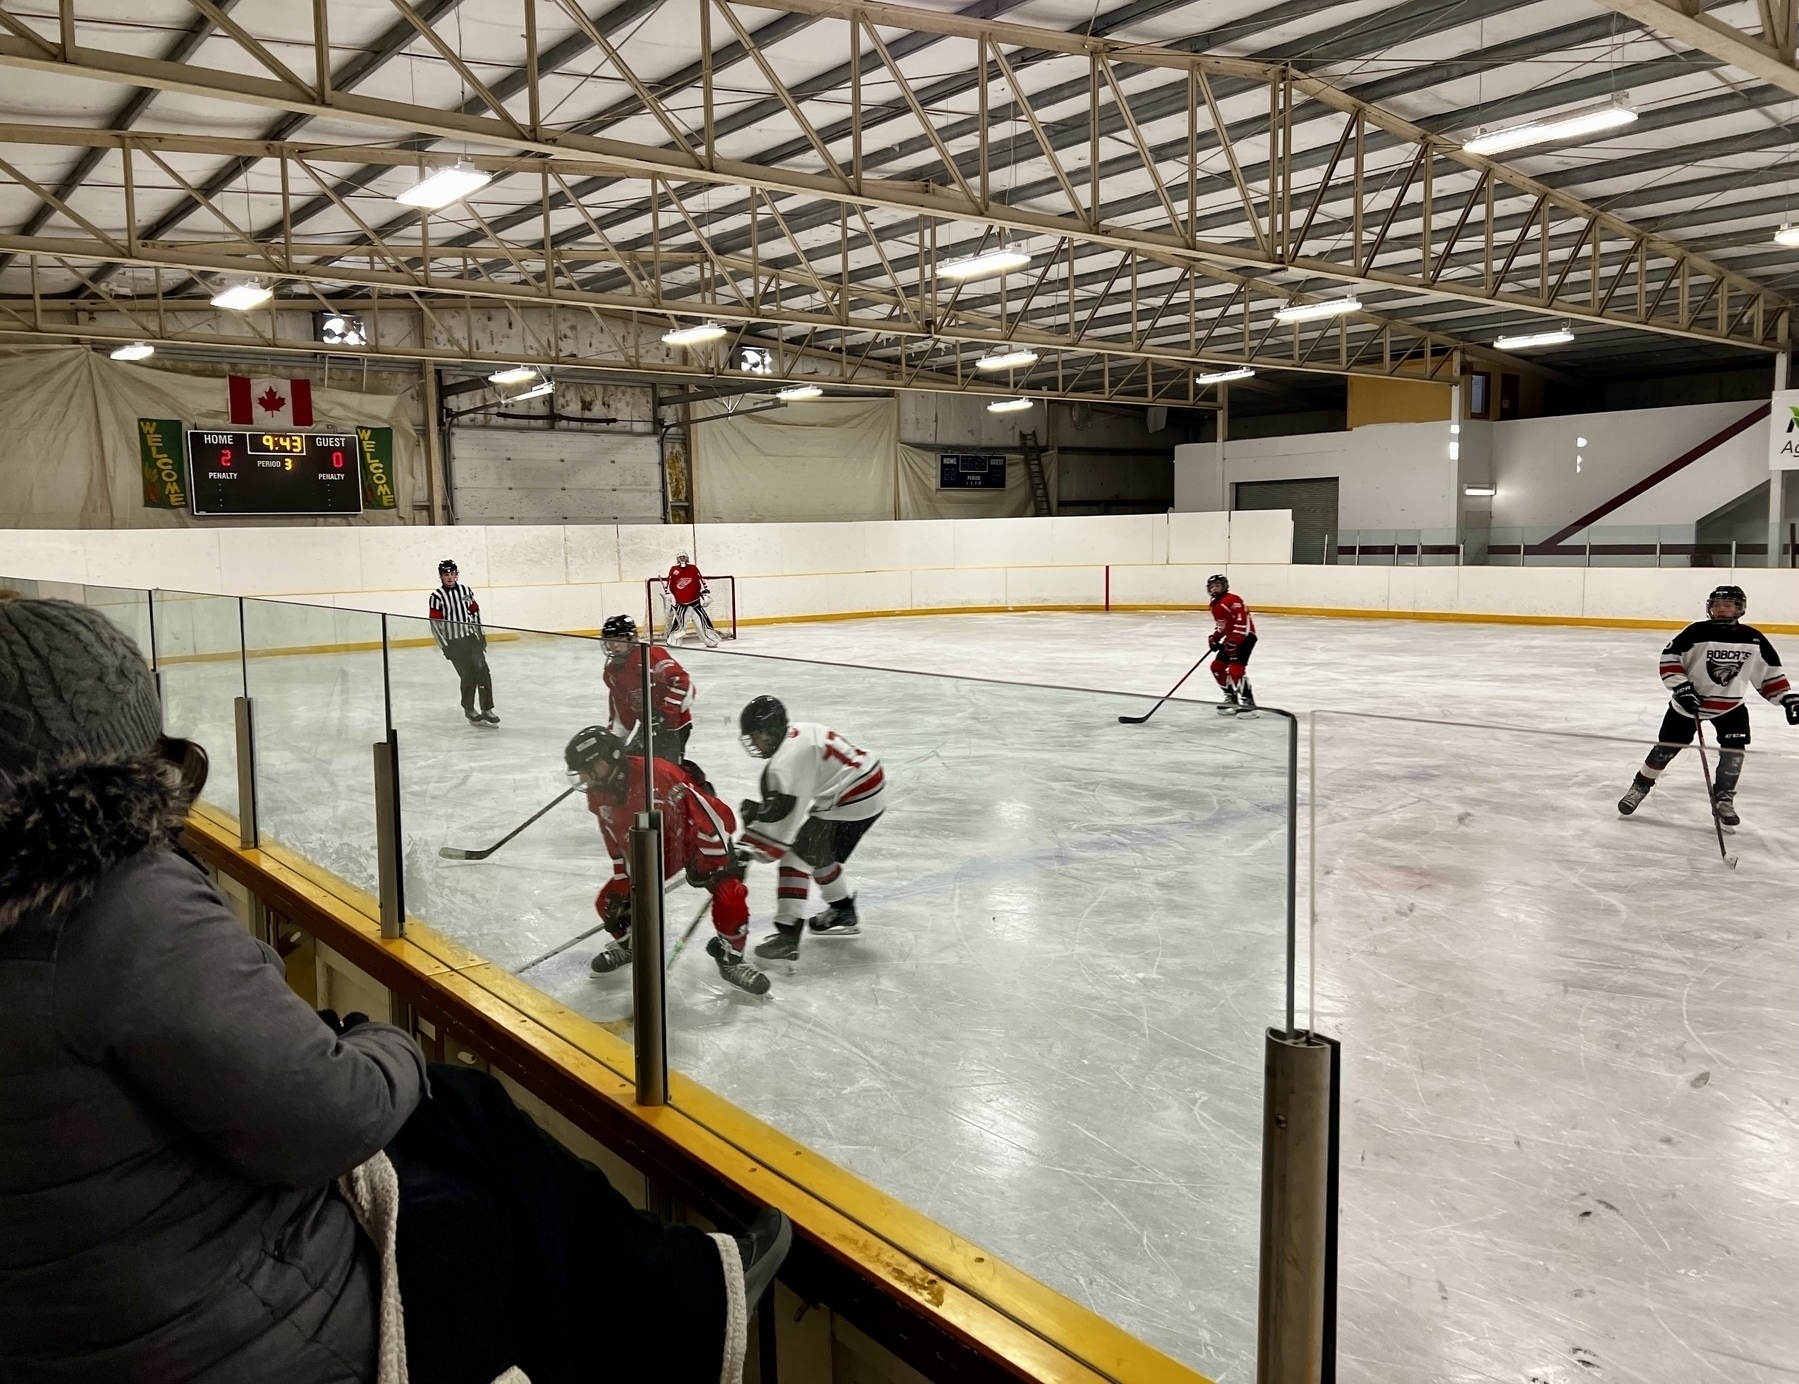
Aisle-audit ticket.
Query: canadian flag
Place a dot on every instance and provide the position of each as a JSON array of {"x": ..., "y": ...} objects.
[{"x": 268, "y": 403}]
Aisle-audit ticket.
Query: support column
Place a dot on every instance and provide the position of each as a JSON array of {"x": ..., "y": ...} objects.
[
  {"x": 1292, "y": 1332},
  {"x": 1777, "y": 479},
  {"x": 433, "y": 443}
]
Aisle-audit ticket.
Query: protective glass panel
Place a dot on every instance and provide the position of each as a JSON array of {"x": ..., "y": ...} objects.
[
  {"x": 200, "y": 668},
  {"x": 1568, "y": 1056},
  {"x": 318, "y": 695}
]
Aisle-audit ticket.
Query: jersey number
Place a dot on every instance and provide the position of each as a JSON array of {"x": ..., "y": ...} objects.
[{"x": 836, "y": 747}]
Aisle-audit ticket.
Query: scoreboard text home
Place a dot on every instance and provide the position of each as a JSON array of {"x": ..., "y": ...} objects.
[{"x": 250, "y": 472}]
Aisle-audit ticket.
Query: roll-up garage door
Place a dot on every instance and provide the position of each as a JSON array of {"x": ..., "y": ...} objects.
[{"x": 535, "y": 476}]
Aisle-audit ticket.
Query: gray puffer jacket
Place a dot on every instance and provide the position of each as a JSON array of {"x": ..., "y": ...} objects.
[{"x": 172, "y": 1116}]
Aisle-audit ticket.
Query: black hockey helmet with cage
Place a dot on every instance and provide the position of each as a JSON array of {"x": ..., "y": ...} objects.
[
  {"x": 616, "y": 634},
  {"x": 763, "y": 716},
  {"x": 596, "y": 752},
  {"x": 447, "y": 565},
  {"x": 1728, "y": 593},
  {"x": 1218, "y": 579}
]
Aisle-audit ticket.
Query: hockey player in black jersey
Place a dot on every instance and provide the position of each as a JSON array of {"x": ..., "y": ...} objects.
[{"x": 1709, "y": 667}]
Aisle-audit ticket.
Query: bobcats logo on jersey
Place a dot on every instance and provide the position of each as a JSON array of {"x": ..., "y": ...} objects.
[{"x": 1722, "y": 665}]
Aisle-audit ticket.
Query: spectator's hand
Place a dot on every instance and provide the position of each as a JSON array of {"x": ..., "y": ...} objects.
[{"x": 345, "y": 1024}]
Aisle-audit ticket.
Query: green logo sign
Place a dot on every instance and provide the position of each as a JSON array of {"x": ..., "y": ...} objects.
[
  {"x": 377, "y": 448},
  {"x": 162, "y": 451}
]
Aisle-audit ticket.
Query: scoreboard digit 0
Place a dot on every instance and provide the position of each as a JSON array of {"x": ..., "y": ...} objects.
[{"x": 273, "y": 473}]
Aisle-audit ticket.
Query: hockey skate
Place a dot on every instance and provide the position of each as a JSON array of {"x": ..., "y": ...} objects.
[
  {"x": 1246, "y": 700},
  {"x": 491, "y": 717},
  {"x": 734, "y": 968},
  {"x": 1725, "y": 805},
  {"x": 1634, "y": 795},
  {"x": 784, "y": 945},
  {"x": 839, "y": 920},
  {"x": 1228, "y": 707},
  {"x": 615, "y": 956}
]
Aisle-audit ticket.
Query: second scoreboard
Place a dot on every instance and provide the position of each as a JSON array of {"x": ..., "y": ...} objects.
[{"x": 273, "y": 473}]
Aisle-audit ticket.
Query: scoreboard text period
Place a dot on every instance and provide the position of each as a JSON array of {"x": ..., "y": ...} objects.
[{"x": 274, "y": 473}]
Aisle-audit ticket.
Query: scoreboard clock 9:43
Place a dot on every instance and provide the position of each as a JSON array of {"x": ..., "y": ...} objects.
[{"x": 273, "y": 473}]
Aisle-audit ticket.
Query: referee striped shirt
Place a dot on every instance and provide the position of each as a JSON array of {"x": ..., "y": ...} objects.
[{"x": 455, "y": 614}]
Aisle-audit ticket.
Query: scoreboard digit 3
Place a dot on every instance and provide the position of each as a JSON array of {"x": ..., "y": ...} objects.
[{"x": 273, "y": 473}]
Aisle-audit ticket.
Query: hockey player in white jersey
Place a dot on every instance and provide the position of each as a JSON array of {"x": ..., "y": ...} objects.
[
  {"x": 820, "y": 794},
  {"x": 1709, "y": 668}
]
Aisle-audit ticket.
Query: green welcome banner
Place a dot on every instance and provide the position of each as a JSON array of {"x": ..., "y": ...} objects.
[
  {"x": 162, "y": 451},
  {"x": 377, "y": 448}
]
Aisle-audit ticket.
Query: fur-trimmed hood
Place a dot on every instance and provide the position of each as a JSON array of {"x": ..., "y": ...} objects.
[{"x": 63, "y": 828}]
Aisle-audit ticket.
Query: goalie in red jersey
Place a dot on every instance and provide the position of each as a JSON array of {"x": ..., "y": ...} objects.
[
  {"x": 687, "y": 597},
  {"x": 696, "y": 838},
  {"x": 1233, "y": 640}
]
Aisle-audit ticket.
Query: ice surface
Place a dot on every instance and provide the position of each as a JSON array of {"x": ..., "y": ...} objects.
[{"x": 1048, "y": 1036}]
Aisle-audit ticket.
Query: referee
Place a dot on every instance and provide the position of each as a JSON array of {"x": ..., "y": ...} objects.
[{"x": 456, "y": 625}]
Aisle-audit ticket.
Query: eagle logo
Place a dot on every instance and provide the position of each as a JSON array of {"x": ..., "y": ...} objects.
[{"x": 1722, "y": 665}]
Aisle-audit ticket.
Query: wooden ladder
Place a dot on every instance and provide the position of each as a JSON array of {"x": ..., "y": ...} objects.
[{"x": 1033, "y": 467}]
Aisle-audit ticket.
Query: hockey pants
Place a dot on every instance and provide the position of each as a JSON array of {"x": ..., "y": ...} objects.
[
  {"x": 469, "y": 657},
  {"x": 730, "y": 907},
  {"x": 818, "y": 853},
  {"x": 1678, "y": 729},
  {"x": 1232, "y": 664}
]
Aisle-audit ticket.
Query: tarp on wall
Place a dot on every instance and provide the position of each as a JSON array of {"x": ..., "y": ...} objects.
[
  {"x": 71, "y": 456},
  {"x": 920, "y": 498},
  {"x": 822, "y": 459}
]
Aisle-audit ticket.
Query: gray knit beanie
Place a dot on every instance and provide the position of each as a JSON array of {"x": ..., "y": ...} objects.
[{"x": 73, "y": 687}]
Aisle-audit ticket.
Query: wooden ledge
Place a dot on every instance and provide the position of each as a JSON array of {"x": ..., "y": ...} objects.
[{"x": 944, "y": 1305}]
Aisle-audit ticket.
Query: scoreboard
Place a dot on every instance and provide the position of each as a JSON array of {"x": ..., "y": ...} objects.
[
  {"x": 971, "y": 471},
  {"x": 273, "y": 473}
]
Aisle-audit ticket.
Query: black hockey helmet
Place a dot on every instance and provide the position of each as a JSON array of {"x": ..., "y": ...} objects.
[
  {"x": 764, "y": 716},
  {"x": 617, "y": 634},
  {"x": 1727, "y": 593},
  {"x": 595, "y": 752},
  {"x": 447, "y": 565},
  {"x": 1218, "y": 579}
]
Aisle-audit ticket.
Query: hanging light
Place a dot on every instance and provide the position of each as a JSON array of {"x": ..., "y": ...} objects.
[
  {"x": 445, "y": 186},
  {"x": 136, "y": 350},
  {"x": 242, "y": 296},
  {"x": 696, "y": 335},
  {"x": 1242, "y": 372},
  {"x": 1591, "y": 121},
  {"x": 536, "y": 392},
  {"x": 1478, "y": 490},
  {"x": 1560, "y": 336},
  {"x": 798, "y": 391},
  {"x": 513, "y": 374},
  {"x": 1010, "y": 405},
  {"x": 1005, "y": 358},
  {"x": 984, "y": 265},
  {"x": 1312, "y": 312},
  {"x": 1788, "y": 236}
]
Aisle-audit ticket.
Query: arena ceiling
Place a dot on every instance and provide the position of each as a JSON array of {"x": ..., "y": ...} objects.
[{"x": 806, "y": 173}]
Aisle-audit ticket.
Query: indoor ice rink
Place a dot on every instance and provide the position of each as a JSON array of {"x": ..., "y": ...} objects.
[{"x": 1351, "y": 1010}]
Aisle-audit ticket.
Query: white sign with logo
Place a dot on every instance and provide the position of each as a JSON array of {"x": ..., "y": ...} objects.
[{"x": 1783, "y": 431}]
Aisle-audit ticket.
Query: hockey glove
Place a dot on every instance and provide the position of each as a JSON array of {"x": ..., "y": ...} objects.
[
  {"x": 1214, "y": 641},
  {"x": 1687, "y": 698},
  {"x": 1791, "y": 703},
  {"x": 614, "y": 906},
  {"x": 748, "y": 811}
]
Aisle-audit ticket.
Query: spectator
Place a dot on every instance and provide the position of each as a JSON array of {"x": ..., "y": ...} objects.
[
  {"x": 174, "y": 1121},
  {"x": 456, "y": 625}
]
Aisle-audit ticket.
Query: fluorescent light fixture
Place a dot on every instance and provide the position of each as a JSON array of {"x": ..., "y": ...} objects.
[
  {"x": 1242, "y": 372},
  {"x": 1455, "y": 451},
  {"x": 1454, "y": 429},
  {"x": 696, "y": 335},
  {"x": 1580, "y": 442},
  {"x": 1010, "y": 405},
  {"x": 1591, "y": 121},
  {"x": 445, "y": 186},
  {"x": 137, "y": 350},
  {"x": 513, "y": 374},
  {"x": 547, "y": 387},
  {"x": 1478, "y": 490},
  {"x": 1787, "y": 236},
  {"x": 1558, "y": 337},
  {"x": 1311, "y": 312},
  {"x": 799, "y": 391},
  {"x": 241, "y": 297},
  {"x": 984, "y": 265},
  {"x": 1007, "y": 359}
]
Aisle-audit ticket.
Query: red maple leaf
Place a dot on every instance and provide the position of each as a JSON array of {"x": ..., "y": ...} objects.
[{"x": 269, "y": 401}]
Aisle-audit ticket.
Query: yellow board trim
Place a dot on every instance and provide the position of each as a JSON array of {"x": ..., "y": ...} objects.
[{"x": 1001, "y": 1310}]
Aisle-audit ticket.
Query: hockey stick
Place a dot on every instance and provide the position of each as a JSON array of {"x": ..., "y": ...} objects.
[
  {"x": 561, "y": 947},
  {"x": 458, "y": 853},
  {"x": 1139, "y": 720},
  {"x": 1705, "y": 769},
  {"x": 687, "y": 936}
]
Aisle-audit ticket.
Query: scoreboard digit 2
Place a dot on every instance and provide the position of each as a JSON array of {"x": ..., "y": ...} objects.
[{"x": 273, "y": 473}]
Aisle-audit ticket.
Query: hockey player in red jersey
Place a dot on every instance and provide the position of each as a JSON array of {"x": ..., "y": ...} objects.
[
  {"x": 1233, "y": 640},
  {"x": 820, "y": 794},
  {"x": 696, "y": 838},
  {"x": 671, "y": 690},
  {"x": 687, "y": 593},
  {"x": 1709, "y": 668}
]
